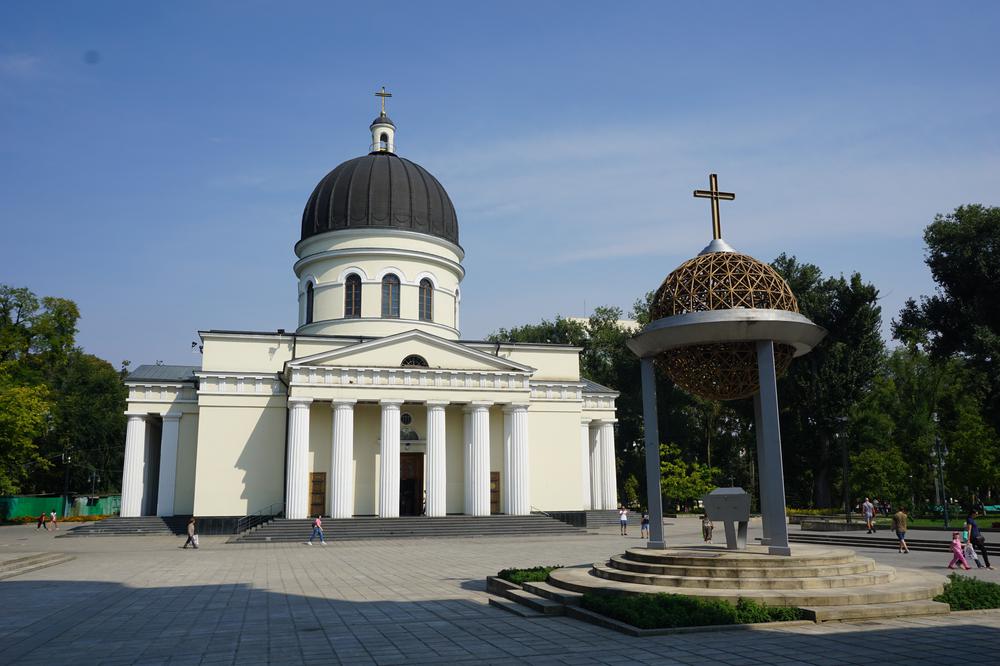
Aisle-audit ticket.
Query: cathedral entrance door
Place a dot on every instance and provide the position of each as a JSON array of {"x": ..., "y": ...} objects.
[
  {"x": 494, "y": 492},
  {"x": 317, "y": 493},
  {"x": 411, "y": 484}
]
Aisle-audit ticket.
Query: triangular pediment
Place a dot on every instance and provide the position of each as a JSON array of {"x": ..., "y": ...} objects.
[{"x": 389, "y": 352}]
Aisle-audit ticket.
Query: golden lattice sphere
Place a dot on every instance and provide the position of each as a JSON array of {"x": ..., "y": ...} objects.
[{"x": 721, "y": 281}]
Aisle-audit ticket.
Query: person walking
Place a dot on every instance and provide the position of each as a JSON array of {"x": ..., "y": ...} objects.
[
  {"x": 899, "y": 527},
  {"x": 976, "y": 537},
  {"x": 644, "y": 526},
  {"x": 956, "y": 552},
  {"x": 192, "y": 535},
  {"x": 54, "y": 523},
  {"x": 317, "y": 531},
  {"x": 868, "y": 511},
  {"x": 41, "y": 522},
  {"x": 623, "y": 519},
  {"x": 706, "y": 528},
  {"x": 967, "y": 549}
]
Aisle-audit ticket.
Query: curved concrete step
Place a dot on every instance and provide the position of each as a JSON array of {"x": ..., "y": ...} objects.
[
  {"x": 880, "y": 576},
  {"x": 754, "y": 557},
  {"x": 859, "y": 565},
  {"x": 909, "y": 585}
]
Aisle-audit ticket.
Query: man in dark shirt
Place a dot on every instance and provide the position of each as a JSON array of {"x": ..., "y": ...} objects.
[{"x": 976, "y": 537}]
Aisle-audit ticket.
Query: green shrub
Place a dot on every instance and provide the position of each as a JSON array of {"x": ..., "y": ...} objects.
[
  {"x": 532, "y": 575},
  {"x": 967, "y": 593},
  {"x": 665, "y": 611}
]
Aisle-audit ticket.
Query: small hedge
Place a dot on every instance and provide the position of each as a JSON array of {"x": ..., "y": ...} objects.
[
  {"x": 532, "y": 575},
  {"x": 667, "y": 611},
  {"x": 967, "y": 593}
]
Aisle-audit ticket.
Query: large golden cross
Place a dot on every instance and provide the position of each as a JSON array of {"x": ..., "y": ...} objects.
[
  {"x": 383, "y": 94},
  {"x": 715, "y": 195}
]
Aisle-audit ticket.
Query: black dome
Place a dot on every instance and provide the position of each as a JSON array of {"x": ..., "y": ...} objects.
[{"x": 380, "y": 190}]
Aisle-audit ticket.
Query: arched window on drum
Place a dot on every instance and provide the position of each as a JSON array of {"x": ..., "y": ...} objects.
[
  {"x": 426, "y": 300},
  {"x": 390, "y": 297},
  {"x": 352, "y": 296},
  {"x": 310, "y": 300}
]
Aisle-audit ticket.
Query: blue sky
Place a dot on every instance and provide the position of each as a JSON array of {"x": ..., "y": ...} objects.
[{"x": 155, "y": 157}]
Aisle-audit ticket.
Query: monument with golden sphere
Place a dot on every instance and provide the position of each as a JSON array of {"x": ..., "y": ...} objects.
[{"x": 724, "y": 326}]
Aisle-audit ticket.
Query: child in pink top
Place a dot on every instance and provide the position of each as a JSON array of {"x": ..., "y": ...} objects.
[{"x": 956, "y": 551}]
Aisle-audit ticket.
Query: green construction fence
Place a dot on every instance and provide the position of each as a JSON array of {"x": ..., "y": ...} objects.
[{"x": 19, "y": 506}]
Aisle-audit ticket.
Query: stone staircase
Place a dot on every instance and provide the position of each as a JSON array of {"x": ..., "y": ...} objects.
[
  {"x": 286, "y": 530},
  {"x": 23, "y": 563},
  {"x": 144, "y": 526},
  {"x": 942, "y": 545},
  {"x": 826, "y": 583}
]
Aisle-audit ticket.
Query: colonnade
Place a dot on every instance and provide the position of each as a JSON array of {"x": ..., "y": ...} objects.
[
  {"x": 597, "y": 450},
  {"x": 136, "y": 459},
  {"x": 476, "y": 459}
]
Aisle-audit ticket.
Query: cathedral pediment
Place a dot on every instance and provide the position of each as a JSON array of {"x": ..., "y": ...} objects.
[{"x": 410, "y": 349}]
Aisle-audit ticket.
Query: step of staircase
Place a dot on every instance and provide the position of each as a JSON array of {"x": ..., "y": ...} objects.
[
  {"x": 144, "y": 526},
  {"x": 535, "y": 602},
  {"x": 554, "y": 593},
  {"x": 516, "y": 608},
  {"x": 752, "y": 558},
  {"x": 881, "y": 575},
  {"x": 859, "y": 565},
  {"x": 873, "y": 611},
  {"x": 282, "y": 530},
  {"x": 22, "y": 565}
]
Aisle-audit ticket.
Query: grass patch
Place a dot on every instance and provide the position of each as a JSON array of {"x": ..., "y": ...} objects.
[
  {"x": 967, "y": 593},
  {"x": 532, "y": 575},
  {"x": 668, "y": 611}
]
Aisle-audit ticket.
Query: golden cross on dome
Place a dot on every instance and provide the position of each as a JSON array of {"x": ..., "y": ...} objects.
[
  {"x": 715, "y": 195},
  {"x": 383, "y": 94}
]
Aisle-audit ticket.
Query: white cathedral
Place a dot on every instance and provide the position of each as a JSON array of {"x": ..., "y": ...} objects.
[{"x": 374, "y": 405}]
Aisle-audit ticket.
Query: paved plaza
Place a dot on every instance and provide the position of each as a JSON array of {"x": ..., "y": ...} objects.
[{"x": 142, "y": 600}]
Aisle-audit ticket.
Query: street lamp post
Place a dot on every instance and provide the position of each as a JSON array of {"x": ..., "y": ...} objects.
[{"x": 941, "y": 451}]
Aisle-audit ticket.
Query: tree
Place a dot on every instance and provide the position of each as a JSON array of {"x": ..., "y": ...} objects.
[
  {"x": 963, "y": 317},
  {"x": 23, "y": 412},
  {"x": 822, "y": 387},
  {"x": 78, "y": 399},
  {"x": 682, "y": 481}
]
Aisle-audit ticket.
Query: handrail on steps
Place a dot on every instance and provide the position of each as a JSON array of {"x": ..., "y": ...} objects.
[{"x": 258, "y": 518}]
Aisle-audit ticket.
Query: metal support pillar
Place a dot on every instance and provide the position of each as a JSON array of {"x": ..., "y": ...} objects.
[
  {"x": 761, "y": 466},
  {"x": 652, "y": 441},
  {"x": 772, "y": 482}
]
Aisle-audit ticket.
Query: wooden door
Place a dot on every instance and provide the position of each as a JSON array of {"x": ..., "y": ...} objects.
[
  {"x": 317, "y": 493},
  {"x": 411, "y": 484},
  {"x": 494, "y": 492}
]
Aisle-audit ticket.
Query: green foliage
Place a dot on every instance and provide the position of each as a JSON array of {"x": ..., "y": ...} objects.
[
  {"x": 684, "y": 481},
  {"x": 667, "y": 611},
  {"x": 23, "y": 410},
  {"x": 968, "y": 593},
  {"x": 962, "y": 319},
  {"x": 823, "y": 386},
  {"x": 630, "y": 492},
  {"x": 531, "y": 575},
  {"x": 61, "y": 410}
]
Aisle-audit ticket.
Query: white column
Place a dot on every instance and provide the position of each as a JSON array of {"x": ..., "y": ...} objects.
[
  {"x": 169, "y": 434},
  {"x": 609, "y": 482},
  {"x": 467, "y": 459},
  {"x": 342, "y": 460},
  {"x": 585, "y": 462},
  {"x": 297, "y": 474},
  {"x": 388, "y": 485},
  {"x": 480, "y": 482},
  {"x": 134, "y": 466},
  {"x": 596, "y": 465},
  {"x": 436, "y": 479},
  {"x": 517, "y": 499}
]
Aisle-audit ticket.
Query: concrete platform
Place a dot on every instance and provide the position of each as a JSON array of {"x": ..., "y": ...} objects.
[{"x": 829, "y": 583}]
